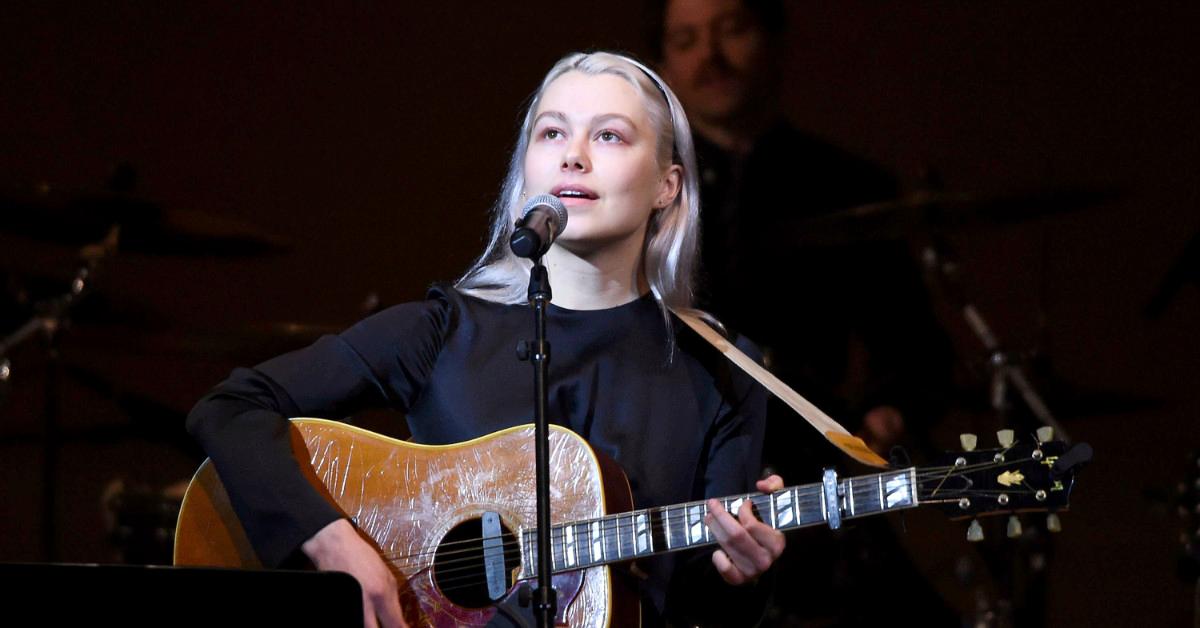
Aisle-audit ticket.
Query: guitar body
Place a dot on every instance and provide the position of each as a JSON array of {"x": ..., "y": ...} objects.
[{"x": 420, "y": 505}]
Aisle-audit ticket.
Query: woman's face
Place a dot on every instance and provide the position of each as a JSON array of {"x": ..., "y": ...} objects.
[{"x": 593, "y": 146}]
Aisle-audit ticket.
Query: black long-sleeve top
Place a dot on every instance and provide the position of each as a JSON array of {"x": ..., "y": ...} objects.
[{"x": 684, "y": 424}]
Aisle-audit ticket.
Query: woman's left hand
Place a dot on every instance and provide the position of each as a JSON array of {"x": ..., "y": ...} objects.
[{"x": 748, "y": 546}]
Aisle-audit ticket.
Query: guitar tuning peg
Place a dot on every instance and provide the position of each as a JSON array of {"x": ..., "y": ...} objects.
[
  {"x": 1006, "y": 438},
  {"x": 1052, "y": 522},
  {"x": 1045, "y": 434},
  {"x": 968, "y": 441},
  {"x": 975, "y": 532},
  {"x": 1014, "y": 527}
]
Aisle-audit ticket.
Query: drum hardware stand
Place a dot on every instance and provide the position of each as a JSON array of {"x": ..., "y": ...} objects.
[
  {"x": 50, "y": 317},
  {"x": 1007, "y": 371}
]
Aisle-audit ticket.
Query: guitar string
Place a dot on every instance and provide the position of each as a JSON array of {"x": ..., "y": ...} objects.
[
  {"x": 473, "y": 576},
  {"x": 803, "y": 492},
  {"x": 809, "y": 492},
  {"x": 660, "y": 521},
  {"x": 512, "y": 548},
  {"x": 809, "y": 496},
  {"x": 472, "y": 579},
  {"x": 659, "y": 525}
]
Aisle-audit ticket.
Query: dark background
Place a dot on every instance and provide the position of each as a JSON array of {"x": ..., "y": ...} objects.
[{"x": 373, "y": 139}]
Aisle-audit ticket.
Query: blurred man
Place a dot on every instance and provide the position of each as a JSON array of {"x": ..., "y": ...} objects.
[
  {"x": 862, "y": 343},
  {"x": 858, "y": 339}
]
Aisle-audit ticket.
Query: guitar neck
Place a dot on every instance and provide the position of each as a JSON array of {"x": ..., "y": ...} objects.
[{"x": 638, "y": 533}]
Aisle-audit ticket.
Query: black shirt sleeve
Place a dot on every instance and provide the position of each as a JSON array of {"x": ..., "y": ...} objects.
[{"x": 242, "y": 423}]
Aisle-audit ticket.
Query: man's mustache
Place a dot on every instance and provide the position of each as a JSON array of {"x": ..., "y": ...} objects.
[{"x": 716, "y": 70}]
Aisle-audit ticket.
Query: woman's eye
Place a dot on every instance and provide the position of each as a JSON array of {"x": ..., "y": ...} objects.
[
  {"x": 551, "y": 134},
  {"x": 608, "y": 136}
]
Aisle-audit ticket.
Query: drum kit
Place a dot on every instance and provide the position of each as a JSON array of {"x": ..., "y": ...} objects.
[
  {"x": 56, "y": 249},
  {"x": 46, "y": 301}
]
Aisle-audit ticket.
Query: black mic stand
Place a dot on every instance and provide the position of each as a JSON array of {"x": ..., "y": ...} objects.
[
  {"x": 532, "y": 241},
  {"x": 545, "y": 603}
]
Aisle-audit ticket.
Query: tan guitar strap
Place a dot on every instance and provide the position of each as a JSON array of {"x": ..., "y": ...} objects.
[{"x": 852, "y": 445}]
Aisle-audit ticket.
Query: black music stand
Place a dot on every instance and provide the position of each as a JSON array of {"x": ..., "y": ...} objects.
[{"x": 53, "y": 594}]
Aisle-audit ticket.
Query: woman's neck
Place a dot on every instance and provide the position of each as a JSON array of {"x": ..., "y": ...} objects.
[{"x": 596, "y": 280}]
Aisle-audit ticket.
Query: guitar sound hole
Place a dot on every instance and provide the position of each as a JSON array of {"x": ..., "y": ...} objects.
[{"x": 458, "y": 569}]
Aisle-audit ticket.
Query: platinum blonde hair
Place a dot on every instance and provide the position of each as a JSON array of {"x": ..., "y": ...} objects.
[{"x": 671, "y": 251}]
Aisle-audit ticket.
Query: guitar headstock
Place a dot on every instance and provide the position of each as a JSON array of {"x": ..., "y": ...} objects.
[{"x": 1034, "y": 474}]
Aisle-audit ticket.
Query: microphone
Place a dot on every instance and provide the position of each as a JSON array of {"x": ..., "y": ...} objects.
[{"x": 542, "y": 220}]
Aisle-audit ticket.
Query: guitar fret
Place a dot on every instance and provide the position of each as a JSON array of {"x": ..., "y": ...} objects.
[
  {"x": 862, "y": 501},
  {"x": 642, "y": 540},
  {"x": 850, "y": 495},
  {"x": 583, "y": 532},
  {"x": 913, "y": 486},
  {"x": 597, "y": 541},
  {"x": 612, "y": 544},
  {"x": 734, "y": 506},
  {"x": 679, "y": 530},
  {"x": 695, "y": 523},
  {"x": 785, "y": 513},
  {"x": 556, "y": 549},
  {"x": 569, "y": 546},
  {"x": 625, "y": 536},
  {"x": 899, "y": 493},
  {"x": 810, "y": 515}
]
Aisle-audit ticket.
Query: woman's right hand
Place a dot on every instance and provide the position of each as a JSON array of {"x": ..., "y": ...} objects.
[{"x": 339, "y": 547}]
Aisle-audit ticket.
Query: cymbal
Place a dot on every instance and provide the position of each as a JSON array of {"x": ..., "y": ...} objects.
[
  {"x": 243, "y": 343},
  {"x": 1066, "y": 398},
  {"x": 933, "y": 212},
  {"x": 146, "y": 227}
]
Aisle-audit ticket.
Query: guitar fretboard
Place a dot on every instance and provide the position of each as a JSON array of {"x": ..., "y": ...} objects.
[{"x": 629, "y": 535}]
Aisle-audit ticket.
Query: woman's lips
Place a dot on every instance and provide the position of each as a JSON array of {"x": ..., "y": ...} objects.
[
  {"x": 573, "y": 191},
  {"x": 575, "y": 201}
]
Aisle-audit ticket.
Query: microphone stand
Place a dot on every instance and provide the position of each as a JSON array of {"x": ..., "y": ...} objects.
[
  {"x": 543, "y": 218},
  {"x": 545, "y": 602}
]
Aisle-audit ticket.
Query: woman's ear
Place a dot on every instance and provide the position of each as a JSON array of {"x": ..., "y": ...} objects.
[{"x": 669, "y": 186}]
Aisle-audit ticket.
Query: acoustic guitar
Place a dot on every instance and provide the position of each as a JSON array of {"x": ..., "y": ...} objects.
[{"x": 457, "y": 522}]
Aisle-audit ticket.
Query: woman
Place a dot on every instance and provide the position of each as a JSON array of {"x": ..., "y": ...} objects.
[{"x": 609, "y": 138}]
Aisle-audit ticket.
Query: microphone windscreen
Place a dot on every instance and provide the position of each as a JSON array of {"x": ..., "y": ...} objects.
[{"x": 553, "y": 204}]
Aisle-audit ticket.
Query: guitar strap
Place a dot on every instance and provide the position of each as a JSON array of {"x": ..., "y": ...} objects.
[{"x": 850, "y": 444}]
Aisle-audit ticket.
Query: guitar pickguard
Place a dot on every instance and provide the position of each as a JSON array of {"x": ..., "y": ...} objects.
[{"x": 407, "y": 497}]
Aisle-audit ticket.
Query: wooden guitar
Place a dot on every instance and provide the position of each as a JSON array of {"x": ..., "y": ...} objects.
[{"x": 456, "y": 522}]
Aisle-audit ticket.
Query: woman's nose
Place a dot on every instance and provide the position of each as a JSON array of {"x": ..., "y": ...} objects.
[{"x": 575, "y": 159}]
